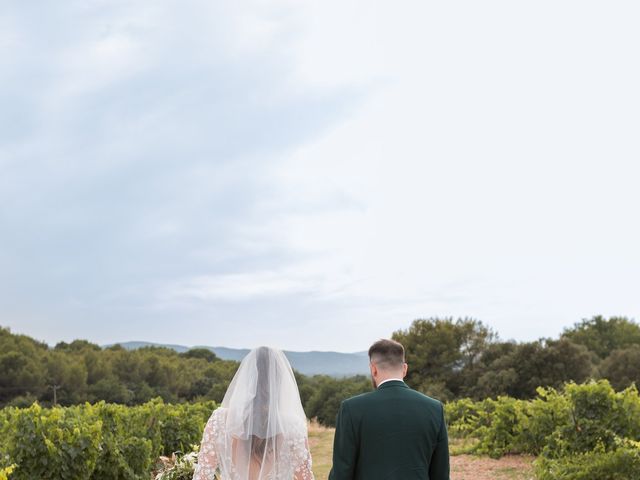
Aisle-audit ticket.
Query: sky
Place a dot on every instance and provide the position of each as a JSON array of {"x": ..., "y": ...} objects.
[{"x": 316, "y": 175}]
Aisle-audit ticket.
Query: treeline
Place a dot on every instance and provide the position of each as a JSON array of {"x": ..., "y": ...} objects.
[
  {"x": 447, "y": 358},
  {"x": 77, "y": 372},
  {"x": 452, "y": 359}
]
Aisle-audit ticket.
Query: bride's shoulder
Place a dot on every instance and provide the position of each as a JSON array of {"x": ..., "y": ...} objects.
[
  {"x": 219, "y": 412},
  {"x": 217, "y": 416},
  {"x": 216, "y": 421}
]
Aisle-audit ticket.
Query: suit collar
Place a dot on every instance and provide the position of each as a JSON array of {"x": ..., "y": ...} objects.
[{"x": 393, "y": 383}]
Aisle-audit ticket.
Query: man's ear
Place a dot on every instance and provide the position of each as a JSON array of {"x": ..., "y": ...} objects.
[
  {"x": 405, "y": 368},
  {"x": 374, "y": 369}
]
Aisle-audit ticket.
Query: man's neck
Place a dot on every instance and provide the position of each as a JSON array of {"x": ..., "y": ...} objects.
[{"x": 389, "y": 380}]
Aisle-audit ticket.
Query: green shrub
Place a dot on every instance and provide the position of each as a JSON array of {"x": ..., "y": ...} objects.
[
  {"x": 463, "y": 416},
  {"x": 540, "y": 420},
  {"x": 181, "y": 425},
  {"x": 97, "y": 442},
  {"x": 622, "y": 463},
  {"x": 501, "y": 435},
  {"x": 597, "y": 417},
  {"x": 628, "y": 405},
  {"x": 127, "y": 445},
  {"x": 55, "y": 444},
  {"x": 556, "y": 424}
]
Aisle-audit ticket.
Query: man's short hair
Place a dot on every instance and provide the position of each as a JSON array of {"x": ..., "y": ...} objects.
[{"x": 387, "y": 354}]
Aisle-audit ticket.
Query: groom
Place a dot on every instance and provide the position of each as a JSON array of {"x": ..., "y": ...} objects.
[{"x": 392, "y": 433}]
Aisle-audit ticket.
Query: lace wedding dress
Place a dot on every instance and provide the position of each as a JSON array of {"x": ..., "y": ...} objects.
[{"x": 260, "y": 431}]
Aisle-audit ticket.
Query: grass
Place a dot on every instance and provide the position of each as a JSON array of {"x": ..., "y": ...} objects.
[
  {"x": 513, "y": 473},
  {"x": 321, "y": 445}
]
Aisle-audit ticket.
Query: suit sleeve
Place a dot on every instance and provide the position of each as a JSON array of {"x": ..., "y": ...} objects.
[
  {"x": 439, "y": 466},
  {"x": 345, "y": 447}
]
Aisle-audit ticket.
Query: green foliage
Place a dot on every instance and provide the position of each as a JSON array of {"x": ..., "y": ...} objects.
[
  {"x": 501, "y": 435},
  {"x": 448, "y": 359},
  {"x": 521, "y": 368},
  {"x": 622, "y": 367},
  {"x": 21, "y": 373},
  {"x": 181, "y": 425},
  {"x": 81, "y": 371},
  {"x": 582, "y": 432},
  {"x": 453, "y": 359},
  {"x": 620, "y": 464},
  {"x": 56, "y": 444},
  {"x": 441, "y": 351},
  {"x": 129, "y": 440},
  {"x": 97, "y": 442},
  {"x": 602, "y": 336},
  {"x": 463, "y": 417},
  {"x": 328, "y": 393},
  {"x": 203, "y": 353},
  {"x": 595, "y": 420},
  {"x": 540, "y": 419}
]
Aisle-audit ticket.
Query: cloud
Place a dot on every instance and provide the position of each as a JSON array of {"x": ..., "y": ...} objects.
[
  {"x": 259, "y": 171},
  {"x": 139, "y": 144}
]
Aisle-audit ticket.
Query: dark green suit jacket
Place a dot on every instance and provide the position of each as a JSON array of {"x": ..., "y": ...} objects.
[{"x": 392, "y": 433}]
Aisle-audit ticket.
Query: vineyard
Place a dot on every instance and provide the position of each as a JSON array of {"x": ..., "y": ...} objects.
[
  {"x": 101, "y": 441},
  {"x": 586, "y": 431},
  {"x": 582, "y": 432}
]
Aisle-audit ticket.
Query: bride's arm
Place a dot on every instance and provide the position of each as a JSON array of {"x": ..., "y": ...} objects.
[
  {"x": 207, "y": 458},
  {"x": 303, "y": 456}
]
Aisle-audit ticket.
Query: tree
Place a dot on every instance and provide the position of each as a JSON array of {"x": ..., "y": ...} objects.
[
  {"x": 110, "y": 389},
  {"x": 66, "y": 377},
  {"x": 603, "y": 336},
  {"x": 439, "y": 350},
  {"x": 622, "y": 367},
  {"x": 19, "y": 375},
  {"x": 328, "y": 394},
  {"x": 524, "y": 367},
  {"x": 77, "y": 346},
  {"x": 203, "y": 353}
]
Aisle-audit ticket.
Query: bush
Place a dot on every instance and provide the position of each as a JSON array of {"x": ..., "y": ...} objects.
[
  {"x": 96, "y": 442},
  {"x": 583, "y": 432},
  {"x": 597, "y": 417},
  {"x": 129, "y": 441},
  {"x": 501, "y": 436},
  {"x": 620, "y": 464},
  {"x": 57, "y": 444},
  {"x": 329, "y": 392},
  {"x": 181, "y": 425},
  {"x": 540, "y": 420},
  {"x": 463, "y": 417}
]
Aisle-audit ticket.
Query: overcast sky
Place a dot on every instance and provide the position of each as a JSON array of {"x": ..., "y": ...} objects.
[{"x": 316, "y": 175}]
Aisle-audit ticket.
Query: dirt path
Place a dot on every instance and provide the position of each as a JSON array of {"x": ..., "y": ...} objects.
[
  {"x": 463, "y": 467},
  {"x": 468, "y": 467}
]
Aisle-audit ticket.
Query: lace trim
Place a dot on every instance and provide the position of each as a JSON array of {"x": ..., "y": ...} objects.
[{"x": 297, "y": 455}]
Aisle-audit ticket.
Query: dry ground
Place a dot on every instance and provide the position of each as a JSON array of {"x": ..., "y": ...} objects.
[{"x": 463, "y": 467}]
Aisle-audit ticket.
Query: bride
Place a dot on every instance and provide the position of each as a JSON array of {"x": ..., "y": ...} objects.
[{"x": 260, "y": 431}]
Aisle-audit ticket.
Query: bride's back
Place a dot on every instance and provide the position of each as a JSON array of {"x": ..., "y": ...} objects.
[{"x": 260, "y": 431}]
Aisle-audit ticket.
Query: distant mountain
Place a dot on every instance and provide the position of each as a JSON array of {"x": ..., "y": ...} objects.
[{"x": 309, "y": 363}]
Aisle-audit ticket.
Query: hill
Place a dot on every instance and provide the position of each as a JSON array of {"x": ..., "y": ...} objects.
[{"x": 335, "y": 364}]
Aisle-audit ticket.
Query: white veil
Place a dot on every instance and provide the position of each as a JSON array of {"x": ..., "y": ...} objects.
[{"x": 262, "y": 424}]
